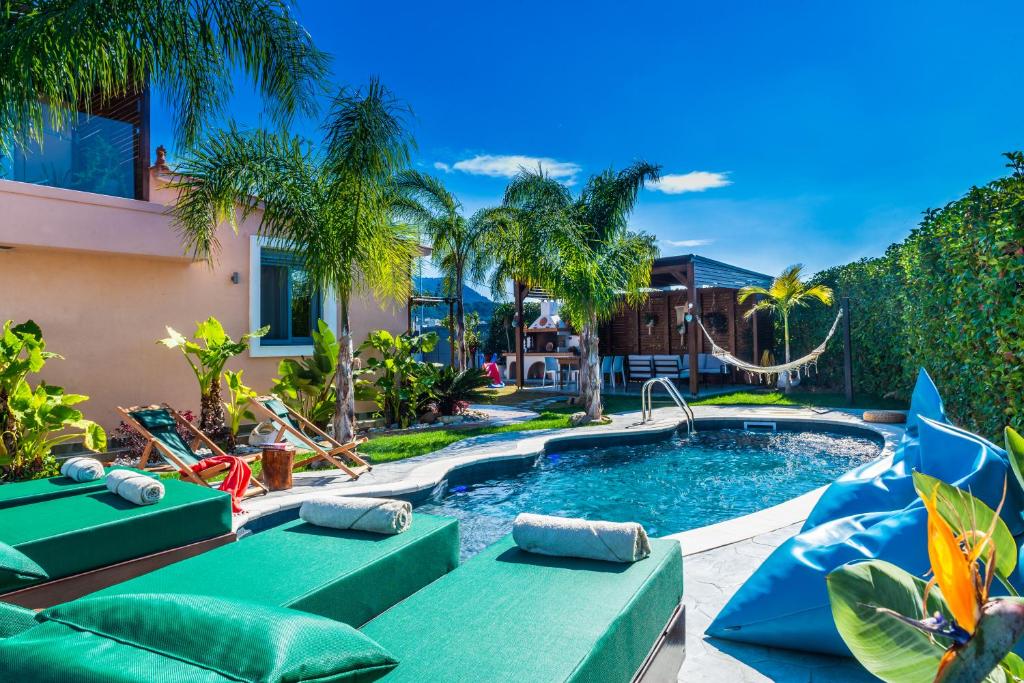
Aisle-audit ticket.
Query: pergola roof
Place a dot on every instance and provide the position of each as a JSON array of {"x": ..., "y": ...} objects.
[{"x": 708, "y": 273}]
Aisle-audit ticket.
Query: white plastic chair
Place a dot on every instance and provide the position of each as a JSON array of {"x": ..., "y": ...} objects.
[
  {"x": 606, "y": 370},
  {"x": 551, "y": 368},
  {"x": 618, "y": 368}
]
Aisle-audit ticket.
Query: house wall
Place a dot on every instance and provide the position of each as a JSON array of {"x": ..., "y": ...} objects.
[{"x": 103, "y": 276}]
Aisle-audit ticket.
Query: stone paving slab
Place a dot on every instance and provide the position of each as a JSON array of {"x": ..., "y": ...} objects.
[{"x": 711, "y": 578}]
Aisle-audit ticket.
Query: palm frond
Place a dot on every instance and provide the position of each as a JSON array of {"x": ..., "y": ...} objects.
[{"x": 77, "y": 55}]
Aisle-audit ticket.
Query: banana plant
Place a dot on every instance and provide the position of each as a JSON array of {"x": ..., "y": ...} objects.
[
  {"x": 399, "y": 379},
  {"x": 33, "y": 421},
  {"x": 949, "y": 629},
  {"x": 207, "y": 362},
  {"x": 306, "y": 385},
  {"x": 237, "y": 405},
  {"x": 44, "y": 418}
]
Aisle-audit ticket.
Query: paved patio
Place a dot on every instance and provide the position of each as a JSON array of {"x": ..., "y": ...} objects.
[{"x": 711, "y": 578}]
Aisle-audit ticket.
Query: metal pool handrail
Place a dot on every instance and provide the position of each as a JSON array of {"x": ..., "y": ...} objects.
[{"x": 647, "y": 409}]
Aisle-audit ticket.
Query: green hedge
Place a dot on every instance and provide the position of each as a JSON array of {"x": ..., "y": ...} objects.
[{"x": 950, "y": 298}]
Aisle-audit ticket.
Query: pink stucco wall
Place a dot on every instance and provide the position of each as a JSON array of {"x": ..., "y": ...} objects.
[{"x": 103, "y": 276}]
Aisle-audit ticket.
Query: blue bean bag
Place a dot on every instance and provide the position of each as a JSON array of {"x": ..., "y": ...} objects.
[
  {"x": 785, "y": 603},
  {"x": 883, "y": 484}
]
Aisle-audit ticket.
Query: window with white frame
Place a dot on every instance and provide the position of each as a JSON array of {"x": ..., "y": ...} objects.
[{"x": 283, "y": 296}]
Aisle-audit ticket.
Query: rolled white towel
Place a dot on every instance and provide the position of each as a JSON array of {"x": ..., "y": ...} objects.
[
  {"x": 568, "y": 537},
  {"x": 82, "y": 469},
  {"x": 377, "y": 515},
  {"x": 135, "y": 487}
]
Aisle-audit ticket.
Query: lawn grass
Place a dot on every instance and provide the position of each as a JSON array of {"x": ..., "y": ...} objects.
[
  {"x": 402, "y": 446},
  {"x": 394, "y": 447}
]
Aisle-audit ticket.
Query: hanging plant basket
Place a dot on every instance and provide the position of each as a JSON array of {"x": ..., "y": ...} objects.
[{"x": 650, "y": 320}]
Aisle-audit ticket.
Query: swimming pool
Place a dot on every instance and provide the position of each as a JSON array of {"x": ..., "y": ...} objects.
[{"x": 671, "y": 485}]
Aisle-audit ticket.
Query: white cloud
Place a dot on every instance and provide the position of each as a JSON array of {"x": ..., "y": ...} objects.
[
  {"x": 687, "y": 243},
  {"x": 694, "y": 181},
  {"x": 507, "y": 165}
]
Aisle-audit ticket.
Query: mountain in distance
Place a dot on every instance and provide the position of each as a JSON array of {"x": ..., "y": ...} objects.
[{"x": 473, "y": 300}]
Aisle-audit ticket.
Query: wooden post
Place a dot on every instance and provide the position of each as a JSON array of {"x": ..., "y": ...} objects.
[
  {"x": 847, "y": 352},
  {"x": 408, "y": 316},
  {"x": 757, "y": 342},
  {"x": 142, "y": 150},
  {"x": 520, "y": 325},
  {"x": 691, "y": 328},
  {"x": 732, "y": 329},
  {"x": 669, "y": 327}
]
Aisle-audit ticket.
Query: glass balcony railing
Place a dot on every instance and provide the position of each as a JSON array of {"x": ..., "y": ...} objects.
[{"x": 97, "y": 154}]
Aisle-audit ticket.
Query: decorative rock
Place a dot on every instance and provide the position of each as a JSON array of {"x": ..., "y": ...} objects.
[{"x": 428, "y": 418}]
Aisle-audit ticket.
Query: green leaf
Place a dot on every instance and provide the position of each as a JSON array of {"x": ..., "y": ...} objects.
[
  {"x": 890, "y": 649},
  {"x": 962, "y": 511},
  {"x": 94, "y": 438},
  {"x": 1015, "y": 453}
]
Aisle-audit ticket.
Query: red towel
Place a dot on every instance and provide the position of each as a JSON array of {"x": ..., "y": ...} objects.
[
  {"x": 492, "y": 370},
  {"x": 236, "y": 482}
]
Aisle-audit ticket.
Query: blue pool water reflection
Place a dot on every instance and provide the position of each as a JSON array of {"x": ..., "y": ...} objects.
[{"x": 668, "y": 486}]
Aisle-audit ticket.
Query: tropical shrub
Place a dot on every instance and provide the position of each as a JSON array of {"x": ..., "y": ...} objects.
[
  {"x": 207, "y": 362},
  {"x": 134, "y": 443},
  {"x": 35, "y": 420},
  {"x": 399, "y": 381},
  {"x": 306, "y": 385},
  {"x": 237, "y": 405},
  {"x": 948, "y": 298},
  {"x": 452, "y": 391}
]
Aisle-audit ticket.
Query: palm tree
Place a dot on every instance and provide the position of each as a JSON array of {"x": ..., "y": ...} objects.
[
  {"x": 333, "y": 207},
  {"x": 460, "y": 246},
  {"x": 581, "y": 251},
  {"x": 86, "y": 53},
  {"x": 786, "y": 293}
]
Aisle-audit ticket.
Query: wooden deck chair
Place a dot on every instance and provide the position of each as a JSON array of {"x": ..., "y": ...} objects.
[
  {"x": 158, "y": 425},
  {"x": 295, "y": 429}
]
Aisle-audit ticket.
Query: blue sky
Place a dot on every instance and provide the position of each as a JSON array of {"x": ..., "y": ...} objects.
[{"x": 805, "y": 132}]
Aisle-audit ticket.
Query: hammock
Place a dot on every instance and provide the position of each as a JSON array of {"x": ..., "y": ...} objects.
[{"x": 764, "y": 370}]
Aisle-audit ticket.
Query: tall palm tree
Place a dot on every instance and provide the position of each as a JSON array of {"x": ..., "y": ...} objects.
[
  {"x": 332, "y": 206},
  {"x": 581, "y": 251},
  {"x": 786, "y": 293},
  {"x": 460, "y": 246},
  {"x": 84, "y": 53}
]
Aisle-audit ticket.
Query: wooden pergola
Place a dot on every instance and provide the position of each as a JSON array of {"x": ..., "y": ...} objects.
[{"x": 679, "y": 285}]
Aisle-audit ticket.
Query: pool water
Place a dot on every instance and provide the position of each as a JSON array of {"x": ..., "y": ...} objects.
[{"x": 668, "y": 486}]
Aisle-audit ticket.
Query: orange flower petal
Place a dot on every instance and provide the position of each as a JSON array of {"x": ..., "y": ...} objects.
[{"x": 952, "y": 568}]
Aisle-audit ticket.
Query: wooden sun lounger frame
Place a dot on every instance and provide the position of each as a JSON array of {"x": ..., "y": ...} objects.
[
  {"x": 184, "y": 471},
  {"x": 332, "y": 455}
]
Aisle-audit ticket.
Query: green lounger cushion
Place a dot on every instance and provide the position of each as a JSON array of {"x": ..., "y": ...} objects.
[
  {"x": 164, "y": 428},
  {"x": 350, "y": 576},
  {"x": 188, "y": 638},
  {"x": 508, "y": 615},
  {"x": 15, "y": 619},
  {"x": 38, "y": 490},
  {"x": 17, "y": 569},
  {"x": 74, "y": 534}
]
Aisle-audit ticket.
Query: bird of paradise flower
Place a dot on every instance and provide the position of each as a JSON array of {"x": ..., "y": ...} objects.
[{"x": 969, "y": 634}]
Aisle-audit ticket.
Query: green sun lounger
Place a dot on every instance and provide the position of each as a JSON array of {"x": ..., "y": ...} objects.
[
  {"x": 505, "y": 615},
  {"x": 349, "y": 576},
  {"x": 86, "y": 541},
  {"x": 509, "y": 615},
  {"x": 38, "y": 490}
]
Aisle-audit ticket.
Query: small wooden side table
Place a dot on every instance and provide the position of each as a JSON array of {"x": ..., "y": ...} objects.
[{"x": 278, "y": 460}]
